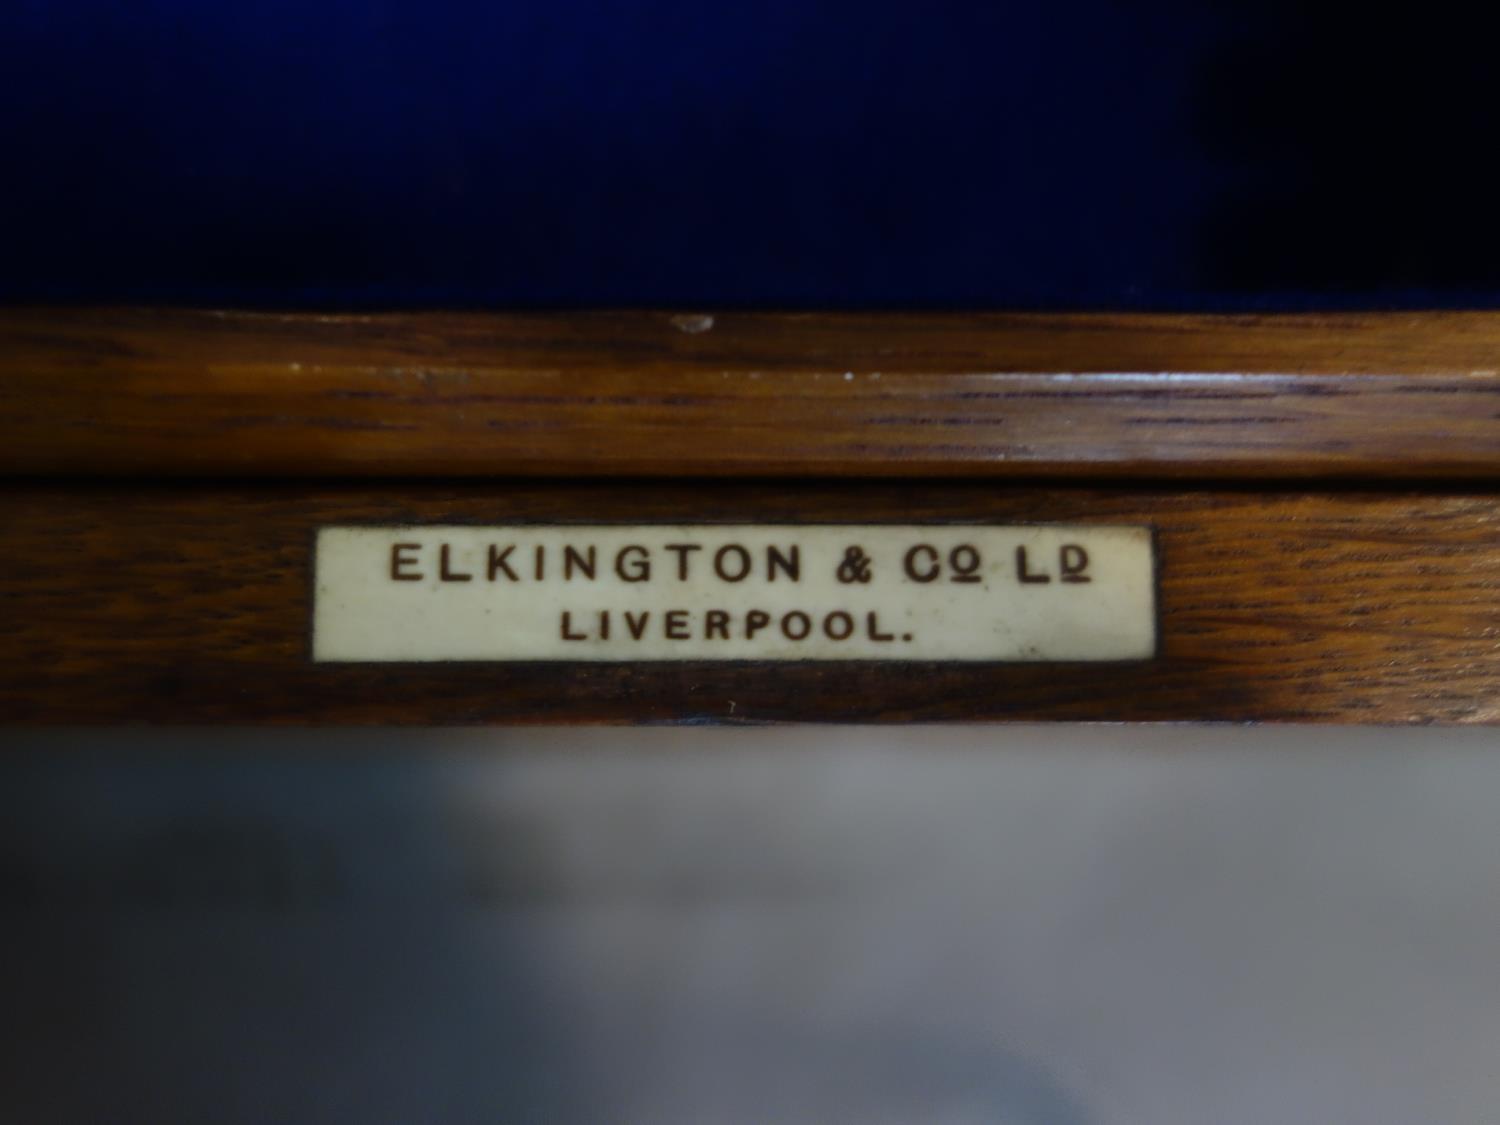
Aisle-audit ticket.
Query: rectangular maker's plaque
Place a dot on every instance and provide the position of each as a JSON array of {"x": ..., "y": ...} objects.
[{"x": 734, "y": 592}]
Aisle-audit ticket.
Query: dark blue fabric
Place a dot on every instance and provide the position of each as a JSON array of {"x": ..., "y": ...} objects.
[{"x": 1051, "y": 153}]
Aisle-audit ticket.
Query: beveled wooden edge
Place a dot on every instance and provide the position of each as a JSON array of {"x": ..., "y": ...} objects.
[{"x": 177, "y": 392}]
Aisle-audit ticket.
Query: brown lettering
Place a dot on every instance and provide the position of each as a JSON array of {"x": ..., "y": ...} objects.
[
  {"x": 910, "y": 563},
  {"x": 683, "y": 550},
  {"x": 498, "y": 563},
  {"x": 1073, "y": 560},
  {"x": 1025, "y": 575},
  {"x": 677, "y": 625},
  {"x": 744, "y": 562},
  {"x": 585, "y": 563},
  {"x": 964, "y": 559},
  {"x": 633, "y": 564},
  {"x": 844, "y": 623},
  {"x": 445, "y": 572},
  {"x": 791, "y": 563},
  {"x": 716, "y": 625},
  {"x": 399, "y": 562}
]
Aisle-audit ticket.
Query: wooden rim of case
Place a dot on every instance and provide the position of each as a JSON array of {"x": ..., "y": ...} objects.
[{"x": 175, "y": 393}]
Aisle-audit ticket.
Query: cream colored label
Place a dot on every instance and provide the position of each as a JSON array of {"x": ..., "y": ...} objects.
[{"x": 734, "y": 592}]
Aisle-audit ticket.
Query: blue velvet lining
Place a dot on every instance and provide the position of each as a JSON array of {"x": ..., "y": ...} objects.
[{"x": 1066, "y": 154}]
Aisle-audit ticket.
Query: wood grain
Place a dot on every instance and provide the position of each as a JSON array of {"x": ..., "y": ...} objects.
[
  {"x": 190, "y": 603},
  {"x": 181, "y": 393}
]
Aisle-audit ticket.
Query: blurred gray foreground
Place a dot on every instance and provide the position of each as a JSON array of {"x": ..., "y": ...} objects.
[{"x": 1025, "y": 925}]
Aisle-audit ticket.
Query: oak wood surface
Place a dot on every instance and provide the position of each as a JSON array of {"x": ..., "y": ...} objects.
[
  {"x": 191, "y": 603},
  {"x": 183, "y": 393}
]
